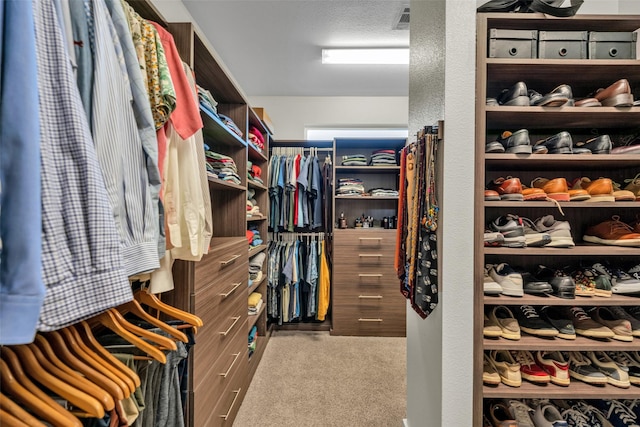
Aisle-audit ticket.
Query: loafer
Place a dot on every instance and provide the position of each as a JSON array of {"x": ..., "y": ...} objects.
[
  {"x": 598, "y": 145},
  {"x": 516, "y": 95},
  {"x": 534, "y": 286},
  {"x": 588, "y": 102},
  {"x": 618, "y": 94},
  {"x": 516, "y": 142},
  {"x": 556, "y": 98},
  {"x": 491, "y": 195},
  {"x": 600, "y": 190},
  {"x": 508, "y": 188},
  {"x": 534, "y": 194},
  {"x": 562, "y": 284},
  {"x": 494, "y": 147},
  {"x": 556, "y": 188},
  {"x": 560, "y": 143}
]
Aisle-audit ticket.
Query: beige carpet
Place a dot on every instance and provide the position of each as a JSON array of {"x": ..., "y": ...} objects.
[{"x": 312, "y": 379}]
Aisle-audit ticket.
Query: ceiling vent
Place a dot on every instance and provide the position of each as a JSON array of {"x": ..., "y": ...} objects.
[{"x": 402, "y": 21}]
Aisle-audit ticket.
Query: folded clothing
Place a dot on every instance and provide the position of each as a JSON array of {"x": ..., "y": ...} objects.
[
  {"x": 256, "y": 138},
  {"x": 256, "y": 262},
  {"x": 350, "y": 186},
  {"x": 207, "y": 102},
  {"x": 253, "y": 235},
  {"x": 253, "y": 333},
  {"x": 386, "y": 192},
  {"x": 354, "y": 160},
  {"x": 255, "y": 310},
  {"x": 383, "y": 158},
  {"x": 254, "y": 298},
  {"x": 231, "y": 124}
]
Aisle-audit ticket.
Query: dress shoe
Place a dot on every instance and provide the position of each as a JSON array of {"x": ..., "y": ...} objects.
[
  {"x": 621, "y": 195},
  {"x": 617, "y": 94},
  {"x": 556, "y": 189},
  {"x": 534, "y": 194},
  {"x": 588, "y": 102},
  {"x": 516, "y": 95},
  {"x": 491, "y": 195},
  {"x": 556, "y": 98},
  {"x": 600, "y": 190},
  {"x": 494, "y": 147},
  {"x": 598, "y": 145},
  {"x": 508, "y": 188},
  {"x": 515, "y": 142},
  {"x": 560, "y": 143}
]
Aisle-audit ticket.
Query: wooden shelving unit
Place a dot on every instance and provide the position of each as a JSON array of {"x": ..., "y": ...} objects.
[
  {"x": 256, "y": 249},
  {"x": 584, "y": 76}
]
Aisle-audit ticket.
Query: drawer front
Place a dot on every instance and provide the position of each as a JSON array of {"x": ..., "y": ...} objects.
[
  {"x": 364, "y": 260},
  {"x": 379, "y": 280},
  {"x": 225, "y": 410},
  {"x": 369, "y": 318},
  {"x": 214, "y": 299},
  {"x": 226, "y": 254},
  {"x": 212, "y": 378},
  {"x": 373, "y": 239}
]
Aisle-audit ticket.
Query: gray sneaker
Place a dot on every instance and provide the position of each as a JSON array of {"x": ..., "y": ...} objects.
[
  {"x": 560, "y": 231},
  {"x": 616, "y": 375},
  {"x": 581, "y": 369},
  {"x": 621, "y": 313}
]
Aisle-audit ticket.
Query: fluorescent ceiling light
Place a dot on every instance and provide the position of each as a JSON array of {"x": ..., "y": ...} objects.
[{"x": 366, "y": 56}]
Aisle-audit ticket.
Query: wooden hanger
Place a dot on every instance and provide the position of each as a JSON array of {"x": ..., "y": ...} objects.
[
  {"x": 30, "y": 400},
  {"x": 57, "y": 350},
  {"x": 10, "y": 358},
  {"x": 14, "y": 409},
  {"x": 165, "y": 343},
  {"x": 134, "y": 307},
  {"x": 77, "y": 347},
  {"x": 150, "y": 300},
  {"x": 8, "y": 420},
  {"x": 84, "y": 334},
  {"x": 76, "y": 397},
  {"x": 49, "y": 361},
  {"x": 108, "y": 320}
]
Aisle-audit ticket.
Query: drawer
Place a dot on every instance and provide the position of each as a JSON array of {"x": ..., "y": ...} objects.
[
  {"x": 226, "y": 408},
  {"x": 374, "y": 239},
  {"x": 213, "y": 299},
  {"x": 226, "y": 254},
  {"x": 353, "y": 319},
  {"x": 378, "y": 280},
  {"x": 356, "y": 259},
  {"x": 214, "y": 377},
  {"x": 368, "y": 303}
]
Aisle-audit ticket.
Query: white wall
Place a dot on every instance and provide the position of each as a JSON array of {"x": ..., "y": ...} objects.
[{"x": 291, "y": 114}]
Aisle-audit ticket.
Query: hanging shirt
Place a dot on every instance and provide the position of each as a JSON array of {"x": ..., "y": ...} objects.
[
  {"x": 22, "y": 289},
  {"x": 82, "y": 24},
  {"x": 316, "y": 194},
  {"x": 324, "y": 291},
  {"x": 301, "y": 192},
  {"x": 82, "y": 262}
]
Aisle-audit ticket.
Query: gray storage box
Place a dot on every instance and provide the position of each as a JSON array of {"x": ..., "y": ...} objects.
[
  {"x": 612, "y": 45},
  {"x": 562, "y": 44},
  {"x": 513, "y": 43}
]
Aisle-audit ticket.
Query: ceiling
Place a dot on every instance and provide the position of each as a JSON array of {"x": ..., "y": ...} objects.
[{"x": 273, "y": 47}]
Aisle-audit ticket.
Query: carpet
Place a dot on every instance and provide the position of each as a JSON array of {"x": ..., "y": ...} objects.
[{"x": 313, "y": 379}]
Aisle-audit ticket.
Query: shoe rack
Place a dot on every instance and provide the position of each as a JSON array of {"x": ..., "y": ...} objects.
[{"x": 584, "y": 76}]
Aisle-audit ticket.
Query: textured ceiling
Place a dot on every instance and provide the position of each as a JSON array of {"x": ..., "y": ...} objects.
[{"x": 273, "y": 47}]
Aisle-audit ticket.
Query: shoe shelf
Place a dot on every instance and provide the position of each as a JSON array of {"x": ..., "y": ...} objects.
[
  {"x": 614, "y": 300},
  {"x": 575, "y": 390},
  {"x": 532, "y": 343},
  {"x": 578, "y": 250},
  {"x": 506, "y": 117},
  {"x": 564, "y": 205},
  {"x": 560, "y": 161}
]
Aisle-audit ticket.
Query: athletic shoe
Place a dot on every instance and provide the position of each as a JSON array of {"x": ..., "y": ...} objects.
[
  {"x": 529, "y": 369},
  {"x": 581, "y": 368},
  {"x": 612, "y": 232},
  {"x": 520, "y": 412},
  {"x": 633, "y": 366},
  {"x": 503, "y": 317},
  {"x": 493, "y": 238},
  {"x": 534, "y": 237},
  {"x": 620, "y": 313},
  {"x": 575, "y": 418},
  {"x": 563, "y": 285},
  {"x": 616, "y": 375},
  {"x": 617, "y": 413},
  {"x": 509, "y": 279},
  {"x": 507, "y": 367},
  {"x": 512, "y": 230},
  {"x": 555, "y": 365},
  {"x": 585, "y": 286},
  {"x": 491, "y": 329},
  {"x": 634, "y": 311},
  {"x": 621, "y": 282},
  {"x": 547, "y": 415},
  {"x": 585, "y": 325},
  {"x": 602, "y": 281},
  {"x": 490, "y": 286},
  {"x": 596, "y": 417},
  {"x": 560, "y": 231},
  {"x": 634, "y": 406},
  {"x": 490, "y": 375},
  {"x": 531, "y": 323},
  {"x": 635, "y": 271},
  {"x": 620, "y": 327},
  {"x": 558, "y": 320},
  {"x": 500, "y": 416}
]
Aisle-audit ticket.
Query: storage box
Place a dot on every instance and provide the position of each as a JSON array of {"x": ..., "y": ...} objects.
[
  {"x": 513, "y": 43},
  {"x": 612, "y": 45},
  {"x": 563, "y": 44},
  {"x": 262, "y": 114}
]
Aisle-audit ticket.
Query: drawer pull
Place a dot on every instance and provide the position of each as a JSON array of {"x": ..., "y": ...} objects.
[
  {"x": 370, "y": 296},
  {"x": 371, "y": 238},
  {"x": 235, "y": 286},
  {"x": 226, "y": 416},
  {"x": 370, "y": 274},
  {"x": 370, "y": 255},
  {"x": 230, "y": 260},
  {"x": 224, "y": 374},
  {"x": 369, "y": 320},
  {"x": 235, "y": 320}
]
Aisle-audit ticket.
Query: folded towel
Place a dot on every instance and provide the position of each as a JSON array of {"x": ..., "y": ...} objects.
[
  {"x": 254, "y": 298},
  {"x": 255, "y": 310}
]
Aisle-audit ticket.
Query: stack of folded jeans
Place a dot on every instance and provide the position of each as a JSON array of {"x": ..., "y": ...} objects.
[
  {"x": 354, "y": 160},
  {"x": 383, "y": 192},
  {"x": 350, "y": 186},
  {"x": 383, "y": 158},
  {"x": 221, "y": 166}
]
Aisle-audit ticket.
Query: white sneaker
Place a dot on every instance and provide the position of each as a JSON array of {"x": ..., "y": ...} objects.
[
  {"x": 509, "y": 279},
  {"x": 491, "y": 287},
  {"x": 560, "y": 231}
]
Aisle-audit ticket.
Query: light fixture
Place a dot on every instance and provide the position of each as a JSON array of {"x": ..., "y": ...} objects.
[{"x": 381, "y": 56}]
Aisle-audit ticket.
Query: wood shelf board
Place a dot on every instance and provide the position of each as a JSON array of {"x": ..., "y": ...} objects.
[
  {"x": 529, "y": 342},
  {"x": 368, "y": 197},
  {"x": 580, "y": 22},
  {"x": 564, "y": 205},
  {"x": 614, "y": 300},
  {"x": 255, "y": 185},
  {"x": 556, "y": 161},
  {"x": 256, "y": 249},
  {"x": 255, "y": 218},
  {"x": 304, "y": 326},
  {"x": 256, "y": 285},
  {"x": 367, "y": 168},
  {"x": 255, "y": 155},
  {"x": 576, "y": 390},
  {"x": 253, "y": 319},
  {"x": 215, "y": 130},
  {"x": 256, "y": 357},
  {"x": 578, "y": 250},
  {"x": 218, "y": 184},
  {"x": 507, "y": 117}
]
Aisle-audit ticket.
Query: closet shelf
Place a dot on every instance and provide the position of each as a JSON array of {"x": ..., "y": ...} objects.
[
  {"x": 564, "y": 205},
  {"x": 256, "y": 185},
  {"x": 500, "y": 161},
  {"x": 253, "y": 319},
  {"x": 256, "y": 218},
  {"x": 395, "y": 169},
  {"x": 578, "y": 250},
  {"x": 367, "y": 197},
  {"x": 505, "y": 117},
  {"x": 219, "y": 184},
  {"x": 256, "y": 285},
  {"x": 256, "y": 249},
  {"x": 255, "y": 154},
  {"x": 529, "y": 342},
  {"x": 216, "y": 130},
  {"x": 576, "y": 390},
  {"x": 622, "y": 300}
]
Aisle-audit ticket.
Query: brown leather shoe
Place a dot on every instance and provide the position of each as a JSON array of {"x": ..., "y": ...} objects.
[
  {"x": 508, "y": 188},
  {"x": 556, "y": 189},
  {"x": 491, "y": 195},
  {"x": 612, "y": 232},
  {"x": 588, "y": 102},
  {"x": 622, "y": 195},
  {"x": 600, "y": 190},
  {"x": 534, "y": 194},
  {"x": 617, "y": 94},
  {"x": 578, "y": 195}
]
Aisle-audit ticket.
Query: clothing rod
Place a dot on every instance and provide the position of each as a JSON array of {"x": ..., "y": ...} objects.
[{"x": 303, "y": 148}]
